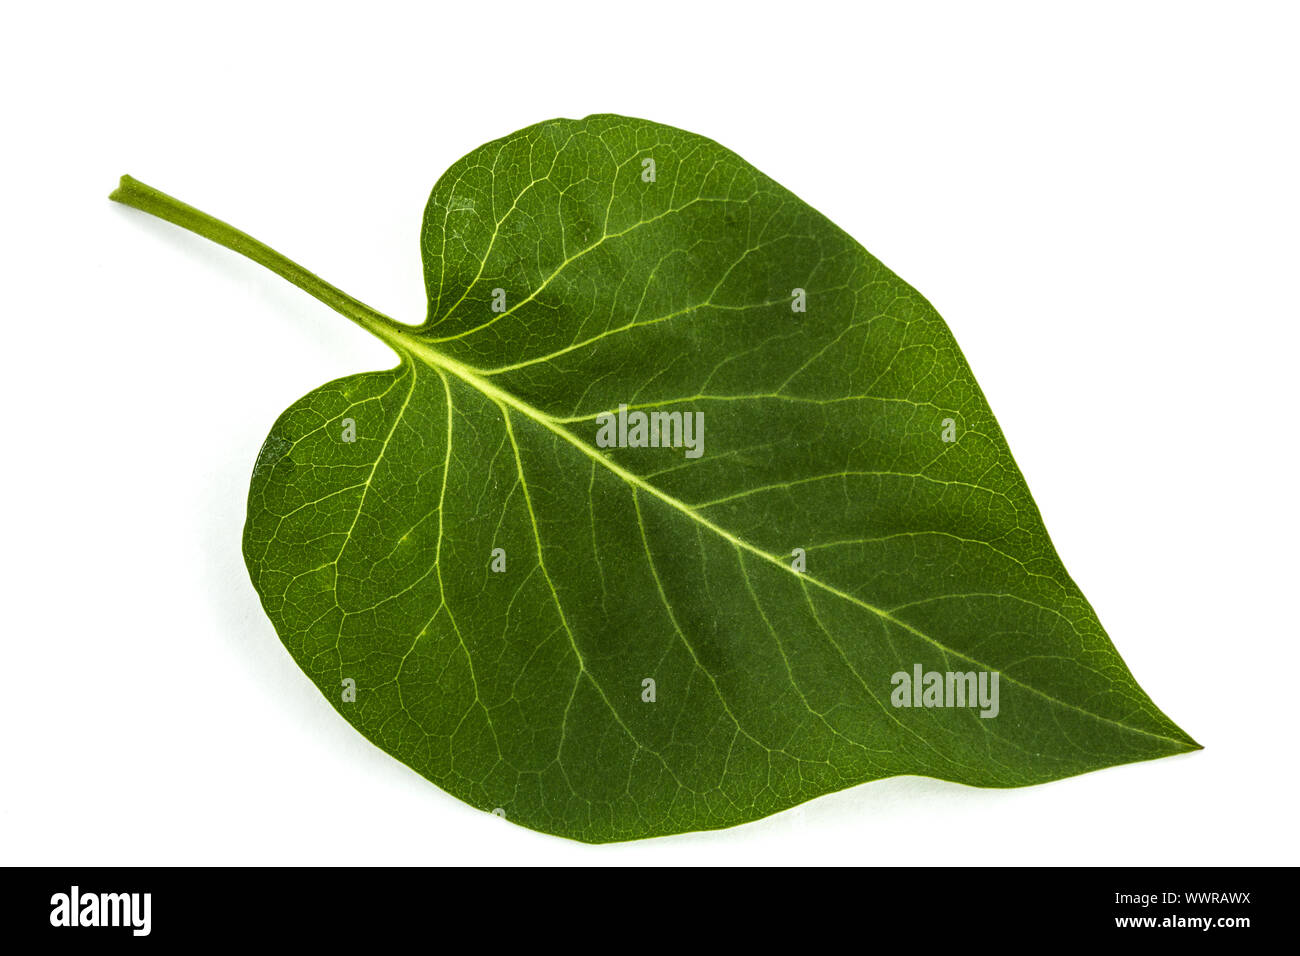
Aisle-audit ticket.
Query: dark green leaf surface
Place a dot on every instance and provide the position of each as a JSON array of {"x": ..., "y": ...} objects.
[{"x": 522, "y": 691}]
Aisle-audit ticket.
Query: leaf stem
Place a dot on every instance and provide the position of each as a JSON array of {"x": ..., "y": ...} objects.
[{"x": 131, "y": 192}]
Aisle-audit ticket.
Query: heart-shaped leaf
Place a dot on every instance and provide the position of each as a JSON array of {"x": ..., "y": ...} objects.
[{"x": 678, "y": 510}]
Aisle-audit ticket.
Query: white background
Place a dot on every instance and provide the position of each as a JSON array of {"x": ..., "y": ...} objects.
[{"x": 1100, "y": 198}]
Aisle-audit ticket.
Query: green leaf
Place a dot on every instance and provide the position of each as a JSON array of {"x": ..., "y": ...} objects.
[{"x": 485, "y": 591}]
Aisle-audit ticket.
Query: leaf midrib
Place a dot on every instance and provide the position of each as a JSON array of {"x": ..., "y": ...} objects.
[{"x": 411, "y": 347}]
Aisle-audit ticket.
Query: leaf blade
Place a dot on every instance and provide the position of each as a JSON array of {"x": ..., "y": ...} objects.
[{"x": 774, "y": 685}]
